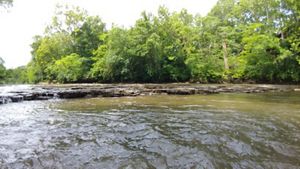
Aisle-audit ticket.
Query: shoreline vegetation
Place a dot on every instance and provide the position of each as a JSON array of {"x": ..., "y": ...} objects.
[
  {"x": 72, "y": 91},
  {"x": 237, "y": 42}
]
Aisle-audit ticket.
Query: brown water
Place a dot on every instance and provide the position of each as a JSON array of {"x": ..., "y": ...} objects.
[{"x": 201, "y": 131}]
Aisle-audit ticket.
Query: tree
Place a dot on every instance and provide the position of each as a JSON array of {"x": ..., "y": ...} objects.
[
  {"x": 48, "y": 49},
  {"x": 173, "y": 30},
  {"x": 111, "y": 58},
  {"x": 86, "y": 38},
  {"x": 66, "y": 20},
  {"x": 16, "y": 76},
  {"x": 70, "y": 68},
  {"x": 34, "y": 72},
  {"x": 264, "y": 56},
  {"x": 72, "y": 31},
  {"x": 229, "y": 44}
]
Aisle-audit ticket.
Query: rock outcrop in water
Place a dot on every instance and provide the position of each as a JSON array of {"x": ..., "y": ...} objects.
[{"x": 45, "y": 92}]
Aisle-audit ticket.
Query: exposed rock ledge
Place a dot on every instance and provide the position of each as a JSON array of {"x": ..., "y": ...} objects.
[{"x": 45, "y": 92}]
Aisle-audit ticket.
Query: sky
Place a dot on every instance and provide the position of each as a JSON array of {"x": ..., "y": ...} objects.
[{"x": 28, "y": 18}]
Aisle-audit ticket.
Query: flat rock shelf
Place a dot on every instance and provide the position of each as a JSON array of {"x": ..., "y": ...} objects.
[{"x": 68, "y": 91}]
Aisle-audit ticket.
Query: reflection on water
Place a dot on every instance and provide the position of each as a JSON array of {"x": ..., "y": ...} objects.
[{"x": 215, "y": 131}]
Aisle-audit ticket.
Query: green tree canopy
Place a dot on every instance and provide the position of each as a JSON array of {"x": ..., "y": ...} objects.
[{"x": 239, "y": 40}]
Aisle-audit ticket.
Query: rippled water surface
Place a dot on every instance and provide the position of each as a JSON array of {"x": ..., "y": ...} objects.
[{"x": 213, "y": 131}]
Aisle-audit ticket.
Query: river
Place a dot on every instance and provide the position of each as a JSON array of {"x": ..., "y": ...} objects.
[{"x": 229, "y": 130}]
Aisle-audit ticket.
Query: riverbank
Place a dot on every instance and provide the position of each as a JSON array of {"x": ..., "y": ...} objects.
[{"x": 68, "y": 91}]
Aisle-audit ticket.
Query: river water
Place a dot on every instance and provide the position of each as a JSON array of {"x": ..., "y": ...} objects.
[{"x": 199, "y": 131}]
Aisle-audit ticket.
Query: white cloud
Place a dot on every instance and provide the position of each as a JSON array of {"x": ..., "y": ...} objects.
[{"x": 28, "y": 18}]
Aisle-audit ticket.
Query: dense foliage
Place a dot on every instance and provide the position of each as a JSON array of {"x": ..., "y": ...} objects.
[{"x": 238, "y": 41}]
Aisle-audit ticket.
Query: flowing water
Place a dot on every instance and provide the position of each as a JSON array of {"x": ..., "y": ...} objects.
[{"x": 200, "y": 131}]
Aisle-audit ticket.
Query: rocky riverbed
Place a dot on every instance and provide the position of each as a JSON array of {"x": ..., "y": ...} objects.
[{"x": 46, "y": 92}]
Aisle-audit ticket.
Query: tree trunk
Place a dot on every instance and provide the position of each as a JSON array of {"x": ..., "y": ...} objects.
[
  {"x": 282, "y": 35},
  {"x": 225, "y": 55}
]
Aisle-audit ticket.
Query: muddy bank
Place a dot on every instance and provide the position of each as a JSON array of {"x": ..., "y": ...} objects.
[{"x": 45, "y": 92}]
